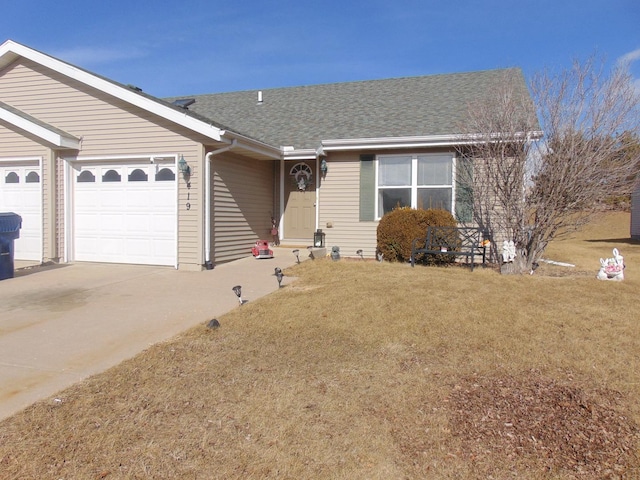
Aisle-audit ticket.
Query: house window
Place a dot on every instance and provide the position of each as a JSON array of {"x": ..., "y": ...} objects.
[{"x": 416, "y": 181}]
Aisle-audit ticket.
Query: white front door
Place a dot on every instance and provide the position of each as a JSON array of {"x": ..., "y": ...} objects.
[
  {"x": 125, "y": 213},
  {"x": 21, "y": 193}
]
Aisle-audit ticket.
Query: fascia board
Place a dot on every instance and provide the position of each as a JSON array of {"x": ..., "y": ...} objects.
[
  {"x": 389, "y": 142},
  {"x": 50, "y": 136},
  {"x": 408, "y": 142},
  {"x": 301, "y": 154},
  {"x": 10, "y": 50}
]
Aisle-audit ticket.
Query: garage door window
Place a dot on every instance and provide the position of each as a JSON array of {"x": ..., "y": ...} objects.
[
  {"x": 86, "y": 177},
  {"x": 111, "y": 176},
  {"x": 12, "y": 177},
  {"x": 32, "y": 177},
  {"x": 165, "y": 175},
  {"x": 138, "y": 175}
]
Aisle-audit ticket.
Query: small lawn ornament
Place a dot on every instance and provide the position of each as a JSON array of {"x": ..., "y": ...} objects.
[
  {"x": 508, "y": 251},
  {"x": 296, "y": 252},
  {"x": 261, "y": 249},
  {"x": 274, "y": 232},
  {"x": 612, "y": 268},
  {"x": 279, "y": 275},
  {"x": 335, "y": 253},
  {"x": 360, "y": 253}
]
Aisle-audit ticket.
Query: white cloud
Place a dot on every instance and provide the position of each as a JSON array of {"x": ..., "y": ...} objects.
[
  {"x": 630, "y": 57},
  {"x": 88, "y": 56}
]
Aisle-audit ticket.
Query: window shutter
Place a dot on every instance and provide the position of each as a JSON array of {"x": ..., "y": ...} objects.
[
  {"x": 464, "y": 190},
  {"x": 367, "y": 188}
]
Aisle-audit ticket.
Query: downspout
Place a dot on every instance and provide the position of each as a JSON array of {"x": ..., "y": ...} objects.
[{"x": 207, "y": 198}]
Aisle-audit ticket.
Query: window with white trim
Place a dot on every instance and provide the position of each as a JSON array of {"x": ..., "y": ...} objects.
[{"x": 416, "y": 181}]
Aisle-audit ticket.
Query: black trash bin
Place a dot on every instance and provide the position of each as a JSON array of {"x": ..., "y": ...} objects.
[{"x": 10, "y": 224}]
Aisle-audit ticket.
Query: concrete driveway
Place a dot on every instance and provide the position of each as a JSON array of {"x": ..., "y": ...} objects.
[{"x": 59, "y": 325}]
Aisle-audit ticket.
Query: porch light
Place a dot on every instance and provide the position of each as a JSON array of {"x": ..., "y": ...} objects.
[
  {"x": 318, "y": 238},
  {"x": 184, "y": 167},
  {"x": 323, "y": 167}
]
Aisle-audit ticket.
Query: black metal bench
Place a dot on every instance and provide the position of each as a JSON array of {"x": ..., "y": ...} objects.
[{"x": 456, "y": 241}]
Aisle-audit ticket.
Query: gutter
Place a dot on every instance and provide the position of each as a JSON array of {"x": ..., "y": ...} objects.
[{"x": 207, "y": 198}]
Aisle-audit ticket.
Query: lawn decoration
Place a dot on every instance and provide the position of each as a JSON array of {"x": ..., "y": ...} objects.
[
  {"x": 279, "y": 276},
  {"x": 274, "y": 232},
  {"x": 612, "y": 268},
  {"x": 261, "y": 249},
  {"x": 335, "y": 253},
  {"x": 360, "y": 253},
  {"x": 296, "y": 252},
  {"x": 508, "y": 251}
]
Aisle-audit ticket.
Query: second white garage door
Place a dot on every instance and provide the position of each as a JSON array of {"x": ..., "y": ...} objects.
[
  {"x": 21, "y": 193},
  {"x": 125, "y": 213}
]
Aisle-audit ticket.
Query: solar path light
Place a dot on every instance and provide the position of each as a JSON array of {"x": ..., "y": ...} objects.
[{"x": 238, "y": 291}]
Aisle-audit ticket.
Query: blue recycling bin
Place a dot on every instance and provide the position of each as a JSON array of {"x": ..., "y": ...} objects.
[{"x": 10, "y": 224}]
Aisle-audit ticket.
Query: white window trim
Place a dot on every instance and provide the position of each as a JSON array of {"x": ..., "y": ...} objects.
[{"x": 414, "y": 179}]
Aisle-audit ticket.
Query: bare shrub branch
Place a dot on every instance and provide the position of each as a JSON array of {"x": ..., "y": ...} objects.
[{"x": 532, "y": 192}]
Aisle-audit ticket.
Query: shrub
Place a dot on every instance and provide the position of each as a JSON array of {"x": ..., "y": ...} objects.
[{"x": 398, "y": 228}]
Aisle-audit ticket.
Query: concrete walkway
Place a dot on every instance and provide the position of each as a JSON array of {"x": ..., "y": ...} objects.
[{"x": 61, "y": 324}]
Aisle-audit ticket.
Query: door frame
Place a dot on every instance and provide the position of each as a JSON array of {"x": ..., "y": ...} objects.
[{"x": 284, "y": 174}]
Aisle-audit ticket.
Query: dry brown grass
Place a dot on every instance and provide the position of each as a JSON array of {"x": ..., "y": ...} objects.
[{"x": 362, "y": 370}]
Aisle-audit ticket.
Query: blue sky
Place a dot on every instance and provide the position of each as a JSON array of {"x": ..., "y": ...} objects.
[{"x": 171, "y": 48}]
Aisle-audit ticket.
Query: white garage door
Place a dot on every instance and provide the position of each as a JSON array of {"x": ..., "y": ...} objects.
[
  {"x": 125, "y": 213},
  {"x": 21, "y": 193}
]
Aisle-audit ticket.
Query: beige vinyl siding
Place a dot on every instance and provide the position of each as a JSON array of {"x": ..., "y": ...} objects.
[
  {"x": 242, "y": 203},
  {"x": 13, "y": 144},
  {"x": 635, "y": 213},
  {"x": 104, "y": 123},
  {"x": 339, "y": 201},
  {"x": 109, "y": 127}
]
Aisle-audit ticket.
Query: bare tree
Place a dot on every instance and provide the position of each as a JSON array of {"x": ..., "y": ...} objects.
[{"x": 532, "y": 189}]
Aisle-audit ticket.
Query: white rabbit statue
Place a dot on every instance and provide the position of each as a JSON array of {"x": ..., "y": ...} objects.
[{"x": 612, "y": 268}]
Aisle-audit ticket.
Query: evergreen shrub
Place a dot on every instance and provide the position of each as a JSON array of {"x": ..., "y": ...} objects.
[{"x": 398, "y": 228}]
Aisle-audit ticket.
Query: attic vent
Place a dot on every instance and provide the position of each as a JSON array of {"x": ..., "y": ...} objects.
[
  {"x": 134, "y": 88},
  {"x": 184, "y": 102},
  {"x": 259, "y": 97}
]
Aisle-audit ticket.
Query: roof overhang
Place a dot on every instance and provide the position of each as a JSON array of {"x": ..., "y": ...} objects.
[
  {"x": 250, "y": 147},
  {"x": 47, "y": 133},
  {"x": 10, "y": 51},
  {"x": 410, "y": 141}
]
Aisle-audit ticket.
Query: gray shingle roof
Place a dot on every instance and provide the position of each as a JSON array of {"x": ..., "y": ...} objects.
[{"x": 398, "y": 107}]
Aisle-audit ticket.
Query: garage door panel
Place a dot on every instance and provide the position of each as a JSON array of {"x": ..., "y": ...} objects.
[{"x": 126, "y": 221}]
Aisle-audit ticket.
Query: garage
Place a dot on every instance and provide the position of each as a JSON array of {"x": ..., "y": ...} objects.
[
  {"x": 125, "y": 212},
  {"x": 21, "y": 193}
]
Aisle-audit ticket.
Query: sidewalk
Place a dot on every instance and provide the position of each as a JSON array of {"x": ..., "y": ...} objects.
[{"x": 61, "y": 324}]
